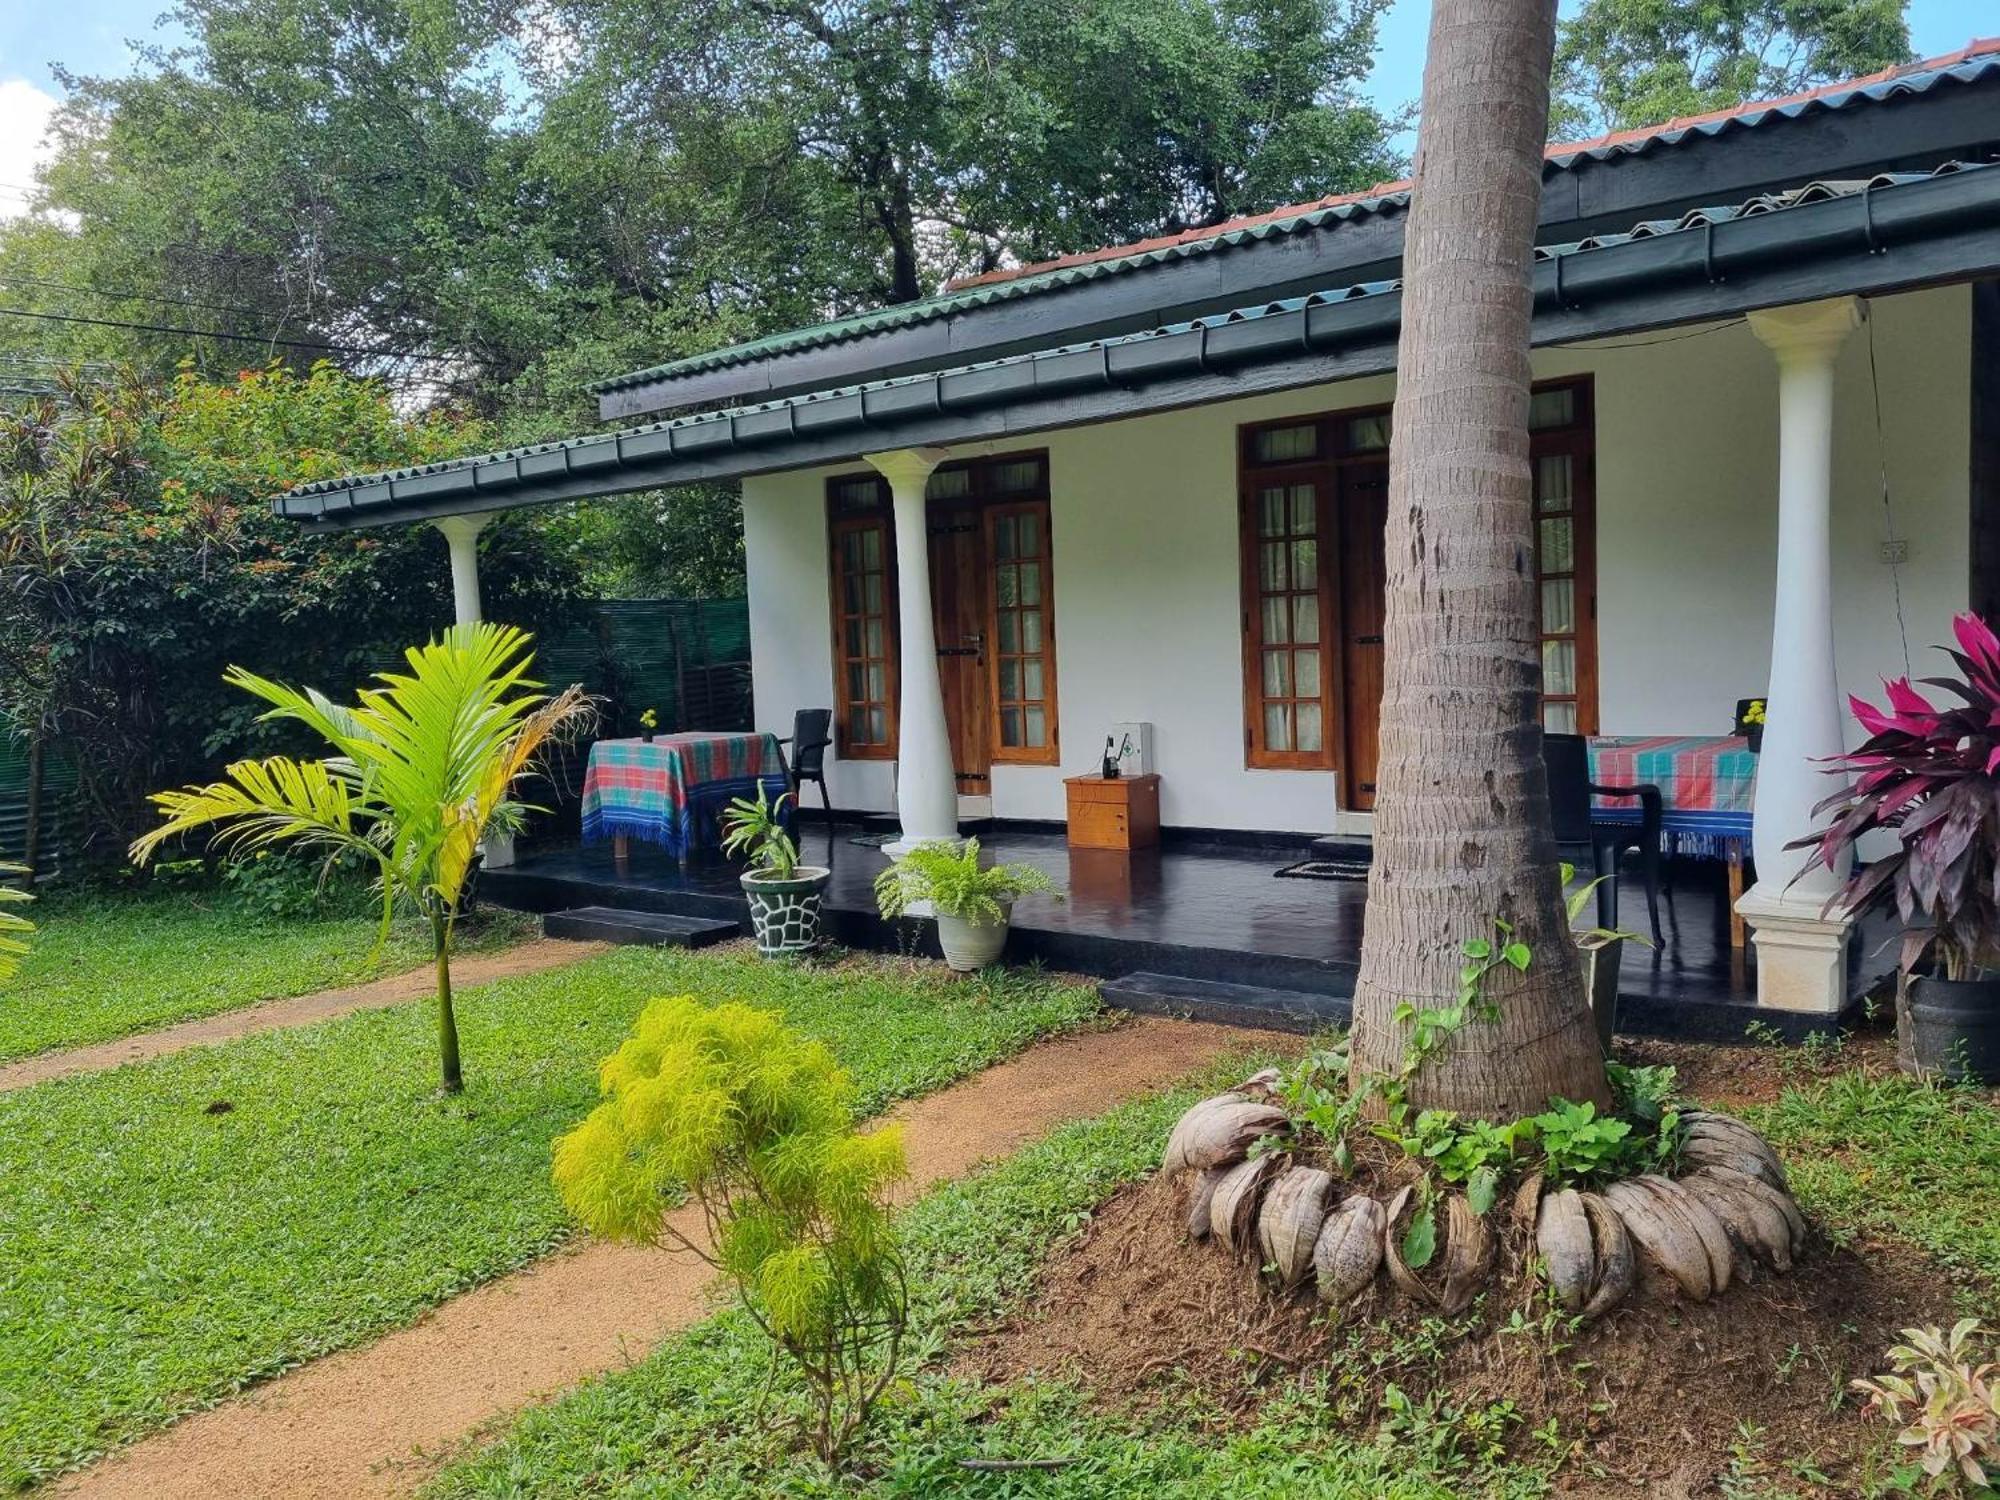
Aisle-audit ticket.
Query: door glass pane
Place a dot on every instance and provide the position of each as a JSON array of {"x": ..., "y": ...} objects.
[
  {"x": 1277, "y": 674},
  {"x": 857, "y": 726},
  {"x": 1031, "y": 631},
  {"x": 1010, "y": 727},
  {"x": 1555, "y": 408},
  {"x": 1030, "y": 525},
  {"x": 1277, "y": 726},
  {"x": 949, "y": 484},
  {"x": 871, "y": 547},
  {"x": 1010, "y": 630},
  {"x": 1305, "y": 672},
  {"x": 1003, "y": 537},
  {"x": 1309, "y": 727},
  {"x": 1277, "y": 621},
  {"x": 871, "y": 593},
  {"x": 1010, "y": 680},
  {"x": 1023, "y": 474},
  {"x": 1279, "y": 444},
  {"x": 1035, "y": 724},
  {"x": 1368, "y": 434},
  {"x": 1305, "y": 565},
  {"x": 878, "y": 682},
  {"x": 1305, "y": 512},
  {"x": 878, "y": 726},
  {"x": 1006, "y": 587},
  {"x": 1557, "y": 556},
  {"x": 1271, "y": 513},
  {"x": 852, "y": 635},
  {"x": 1272, "y": 572},
  {"x": 1031, "y": 679},
  {"x": 1031, "y": 583},
  {"x": 850, "y": 548},
  {"x": 1559, "y": 718},
  {"x": 876, "y": 638},
  {"x": 1558, "y": 606},
  {"x": 1552, "y": 475},
  {"x": 1305, "y": 619},
  {"x": 857, "y": 682},
  {"x": 1559, "y": 668}
]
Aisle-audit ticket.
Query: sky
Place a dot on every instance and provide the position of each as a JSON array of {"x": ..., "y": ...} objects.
[{"x": 93, "y": 36}]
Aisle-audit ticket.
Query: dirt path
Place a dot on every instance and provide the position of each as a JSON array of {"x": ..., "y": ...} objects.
[
  {"x": 523, "y": 958},
  {"x": 377, "y": 1421}
]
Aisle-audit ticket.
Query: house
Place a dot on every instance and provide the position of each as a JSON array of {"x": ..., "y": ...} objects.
[{"x": 1145, "y": 484}]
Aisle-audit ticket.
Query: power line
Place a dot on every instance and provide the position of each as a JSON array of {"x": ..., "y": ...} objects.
[
  {"x": 127, "y": 296},
  {"x": 236, "y": 338}
]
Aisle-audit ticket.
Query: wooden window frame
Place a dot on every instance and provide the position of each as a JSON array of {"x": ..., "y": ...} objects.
[
  {"x": 1578, "y": 439},
  {"x": 841, "y": 522},
  {"x": 984, "y": 496},
  {"x": 999, "y": 751}
]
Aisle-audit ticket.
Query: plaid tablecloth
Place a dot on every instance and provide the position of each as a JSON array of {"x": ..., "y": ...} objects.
[
  {"x": 672, "y": 792},
  {"x": 1706, "y": 784}
]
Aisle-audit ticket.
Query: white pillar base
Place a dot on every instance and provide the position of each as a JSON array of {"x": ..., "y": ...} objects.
[
  {"x": 1801, "y": 955},
  {"x": 497, "y": 850}
]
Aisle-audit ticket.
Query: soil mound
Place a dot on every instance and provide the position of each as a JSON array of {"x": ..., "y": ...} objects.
[{"x": 1656, "y": 1394}]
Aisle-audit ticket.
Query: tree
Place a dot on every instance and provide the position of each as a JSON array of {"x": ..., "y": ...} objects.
[
  {"x": 1465, "y": 868},
  {"x": 1626, "y": 63},
  {"x": 423, "y": 766}
]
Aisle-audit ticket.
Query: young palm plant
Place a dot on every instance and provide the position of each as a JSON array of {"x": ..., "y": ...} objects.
[
  {"x": 14, "y": 928},
  {"x": 421, "y": 772}
]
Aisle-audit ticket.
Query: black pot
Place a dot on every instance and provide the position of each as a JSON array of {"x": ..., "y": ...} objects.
[
  {"x": 785, "y": 915},
  {"x": 1955, "y": 1028}
]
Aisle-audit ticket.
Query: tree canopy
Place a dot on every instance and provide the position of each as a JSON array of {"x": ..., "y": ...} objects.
[{"x": 1626, "y": 63}]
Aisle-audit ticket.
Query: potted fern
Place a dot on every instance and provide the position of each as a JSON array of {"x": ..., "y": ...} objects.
[
  {"x": 974, "y": 904},
  {"x": 785, "y": 896}
]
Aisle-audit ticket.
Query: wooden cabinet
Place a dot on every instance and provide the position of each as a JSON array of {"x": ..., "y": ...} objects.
[{"x": 1120, "y": 814}]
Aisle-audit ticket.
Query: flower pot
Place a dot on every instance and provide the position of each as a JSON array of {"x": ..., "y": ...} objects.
[
  {"x": 1955, "y": 1028},
  {"x": 1600, "y": 959},
  {"x": 972, "y": 945},
  {"x": 785, "y": 914}
]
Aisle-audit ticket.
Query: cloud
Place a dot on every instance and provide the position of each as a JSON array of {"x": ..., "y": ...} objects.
[{"x": 24, "y": 121}]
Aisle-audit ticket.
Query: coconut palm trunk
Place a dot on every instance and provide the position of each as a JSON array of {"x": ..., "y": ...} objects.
[{"x": 1462, "y": 831}]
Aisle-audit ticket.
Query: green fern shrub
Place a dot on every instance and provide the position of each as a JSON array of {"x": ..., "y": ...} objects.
[
  {"x": 757, "y": 1123},
  {"x": 949, "y": 877}
]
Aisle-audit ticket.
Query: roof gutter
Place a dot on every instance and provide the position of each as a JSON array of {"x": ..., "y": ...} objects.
[{"x": 1883, "y": 238}]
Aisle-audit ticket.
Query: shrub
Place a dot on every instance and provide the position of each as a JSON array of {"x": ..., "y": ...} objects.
[
  {"x": 1949, "y": 1405},
  {"x": 949, "y": 877},
  {"x": 757, "y": 1123}
]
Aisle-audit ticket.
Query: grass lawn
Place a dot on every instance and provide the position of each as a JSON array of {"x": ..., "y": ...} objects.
[
  {"x": 1875, "y": 1154},
  {"x": 173, "y": 1230},
  {"x": 109, "y": 965}
]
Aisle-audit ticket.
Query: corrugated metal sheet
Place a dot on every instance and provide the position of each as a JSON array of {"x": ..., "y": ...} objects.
[
  {"x": 604, "y": 449},
  {"x": 1979, "y": 59},
  {"x": 58, "y": 806}
]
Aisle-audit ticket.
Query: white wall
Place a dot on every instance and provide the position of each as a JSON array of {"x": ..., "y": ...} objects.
[{"x": 1147, "y": 599}]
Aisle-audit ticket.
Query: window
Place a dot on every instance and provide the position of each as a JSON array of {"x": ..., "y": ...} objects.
[
  {"x": 1311, "y": 489},
  {"x": 1022, "y": 650},
  {"x": 863, "y": 545}
]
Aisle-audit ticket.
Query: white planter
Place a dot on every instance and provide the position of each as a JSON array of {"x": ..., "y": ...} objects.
[{"x": 973, "y": 945}]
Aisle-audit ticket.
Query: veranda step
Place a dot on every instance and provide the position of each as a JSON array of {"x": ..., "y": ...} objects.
[
  {"x": 610, "y": 924},
  {"x": 1232, "y": 1004}
]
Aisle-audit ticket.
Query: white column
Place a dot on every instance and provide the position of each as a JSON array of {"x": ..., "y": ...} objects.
[
  {"x": 461, "y": 536},
  {"x": 926, "y": 789},
  {"x": 1801, "y": 956}
]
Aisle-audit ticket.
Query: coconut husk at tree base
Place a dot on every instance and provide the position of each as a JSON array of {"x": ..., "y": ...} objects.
[{"x": 1653, "y": 1391}]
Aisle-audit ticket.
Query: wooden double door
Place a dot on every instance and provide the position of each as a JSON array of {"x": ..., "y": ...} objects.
[{"x": 958, "y": 617}]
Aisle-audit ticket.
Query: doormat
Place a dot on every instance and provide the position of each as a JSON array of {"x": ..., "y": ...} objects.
[
  {"x": 873, "y": 840},
  {"x": 1325, "y": 869}
]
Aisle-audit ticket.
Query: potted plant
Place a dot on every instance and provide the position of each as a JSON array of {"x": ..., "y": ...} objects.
[
  {"x": 973, "y": 904},
  {"x": 1930, "y": 777},
  {"x": 785, "y": 896},
  {"x": 649, "y": 722}
]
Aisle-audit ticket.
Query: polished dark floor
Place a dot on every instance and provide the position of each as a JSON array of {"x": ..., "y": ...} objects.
[{"x": 1200, "y": 911}]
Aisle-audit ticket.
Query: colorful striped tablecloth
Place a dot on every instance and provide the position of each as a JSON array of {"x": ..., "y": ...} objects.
[
  {"x": 672, "y": 791},
  {"x": 1706, "y": 785}
]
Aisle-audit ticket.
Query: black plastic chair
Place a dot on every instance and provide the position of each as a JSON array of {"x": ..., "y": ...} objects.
[
  {"x": 812, "y": 732},
  {"x": 1570, "y": 791}
]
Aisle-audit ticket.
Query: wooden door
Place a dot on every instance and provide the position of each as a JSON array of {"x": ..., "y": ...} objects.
[
  {"x": 1364, "y": 520},
  {"x": 958, "y": 613}
]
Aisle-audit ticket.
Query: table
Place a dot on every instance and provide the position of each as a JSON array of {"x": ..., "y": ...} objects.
[
  {"x": 671, "y": 790},
  {"x": 1707, "y": 784}
]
